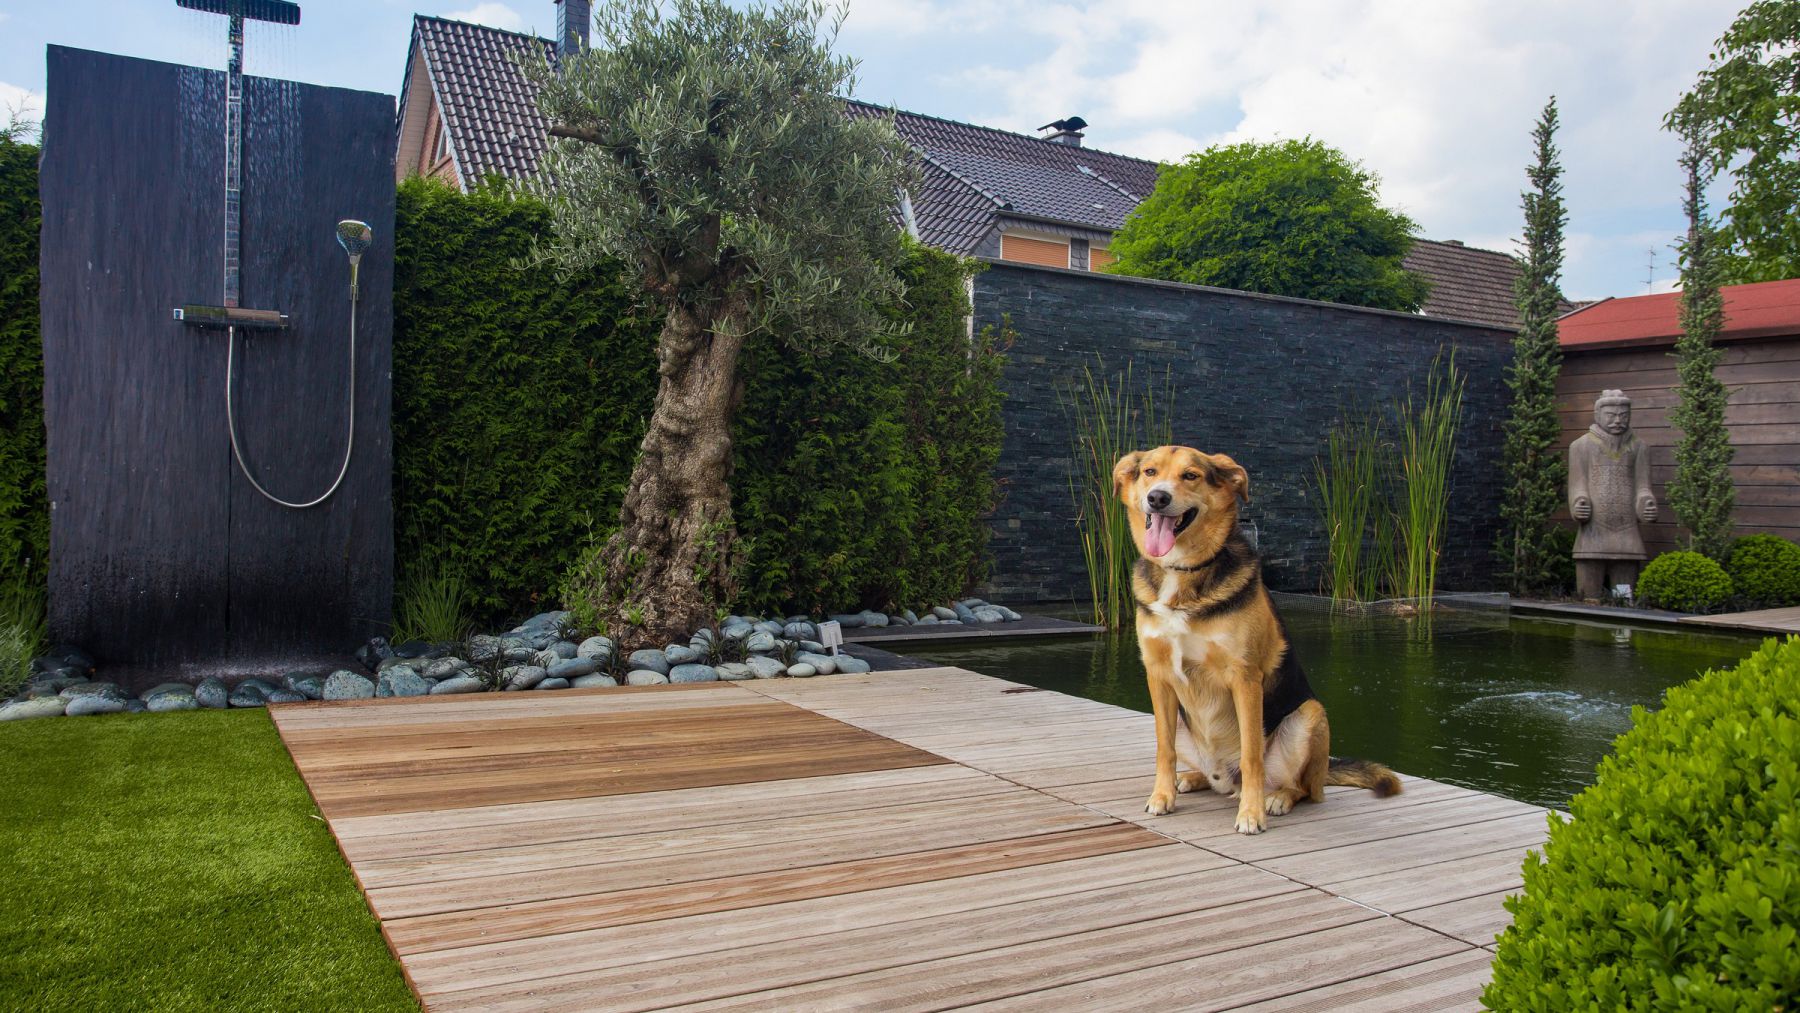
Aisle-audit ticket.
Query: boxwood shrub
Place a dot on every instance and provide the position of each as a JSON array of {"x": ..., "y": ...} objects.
[
  {"x": 1766, "y": 570},
  {"x": 1677, "y": 884},
  {"x": 1683, "y": 582},
  {"x": 24, "y": 510}
]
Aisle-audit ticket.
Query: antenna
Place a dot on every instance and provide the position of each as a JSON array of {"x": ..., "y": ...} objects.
[{"x": 1650, "y": 269}]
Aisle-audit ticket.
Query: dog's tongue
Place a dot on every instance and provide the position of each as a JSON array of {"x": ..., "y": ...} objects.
[{"x": 1161, "y": 536}]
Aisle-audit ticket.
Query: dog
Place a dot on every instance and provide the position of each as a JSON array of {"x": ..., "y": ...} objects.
[{"x": 1216, "y": 654}]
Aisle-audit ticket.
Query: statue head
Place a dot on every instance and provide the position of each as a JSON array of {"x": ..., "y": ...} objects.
[{"x": 1612, "y": 412}]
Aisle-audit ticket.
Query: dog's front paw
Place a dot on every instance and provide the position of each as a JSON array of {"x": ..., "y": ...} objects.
[
  {"x": 1193, "y": 780},
  {"x": 1160, "y": 803},
  {"x": 1250, "y": 819},
  {"x": 1279, "y": 804}
]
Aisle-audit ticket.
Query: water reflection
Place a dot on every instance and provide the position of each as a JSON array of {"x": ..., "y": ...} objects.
[{"x": 1522, "y": 706}]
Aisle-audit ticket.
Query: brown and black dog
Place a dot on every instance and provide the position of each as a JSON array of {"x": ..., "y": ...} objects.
[{"x": 1216, "y": 653}]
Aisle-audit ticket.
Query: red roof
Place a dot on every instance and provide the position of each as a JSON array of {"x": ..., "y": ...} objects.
[{"x": 1764, "y": 309}]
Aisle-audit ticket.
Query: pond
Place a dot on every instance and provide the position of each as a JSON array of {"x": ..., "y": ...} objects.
[{"x": 1519, "y": 705}]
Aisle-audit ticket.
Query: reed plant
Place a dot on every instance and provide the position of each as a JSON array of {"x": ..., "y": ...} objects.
[
  {"x": 1350, "y": 502},
  {"x": 1111, "y": 418},
  {"x": 23, "y": 633},
  {"x": 1426, "y": 448},
  {"x": 434, "y": 606}
]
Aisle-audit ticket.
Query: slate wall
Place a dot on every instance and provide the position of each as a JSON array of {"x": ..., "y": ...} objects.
[
  {"x": 164, "y": 561},
  {"x": 1258, "y": 377}
]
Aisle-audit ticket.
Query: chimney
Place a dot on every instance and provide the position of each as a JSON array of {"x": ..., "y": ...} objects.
[
  {"x": 1065, "y": 131},
  {"x": 574, "y": 20}
]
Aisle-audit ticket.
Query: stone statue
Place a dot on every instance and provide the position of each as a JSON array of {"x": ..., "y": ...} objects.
[{"x": 1609, "y": 493}]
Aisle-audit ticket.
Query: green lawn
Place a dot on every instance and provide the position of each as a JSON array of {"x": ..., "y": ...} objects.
[{"x": 175, "y": 862}]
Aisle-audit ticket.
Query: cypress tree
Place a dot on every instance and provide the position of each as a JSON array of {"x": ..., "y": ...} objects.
[
  {"x": 1701, "y": 494},
  {"x": 1535, "y": 471}
]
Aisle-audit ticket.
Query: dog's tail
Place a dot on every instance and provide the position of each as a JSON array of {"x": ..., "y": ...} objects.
[{"x": 1363, "y": 774}]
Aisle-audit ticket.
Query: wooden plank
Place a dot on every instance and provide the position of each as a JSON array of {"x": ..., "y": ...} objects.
[
  {"x": 1446, "y": 983},
  {"x": 659, "y": 901},
  {"x": 1027, "y": 814},
  {"x": 394, "y": 711},
  {"x": 1041, "y": 974},
  {"x": 1170, "y": 866},
  {"x": 1774, "y": 620},
  {"x": 1440, "y": 882},
  {"x": 1250, "y": 973},
  {"x": 1335, "y": 865},
  {"x": 904, "y": 943},
  {"x": 1290, "y": 836},
  {"x": 1477, "y": 920}
]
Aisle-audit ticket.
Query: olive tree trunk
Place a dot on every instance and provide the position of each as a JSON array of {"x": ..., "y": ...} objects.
[{"x": 668, "y": 566}]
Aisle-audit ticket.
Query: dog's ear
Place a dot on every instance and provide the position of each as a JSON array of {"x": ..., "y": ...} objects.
[
  {"x": 1125, "y": 472},
  {"x": 1233, "y": 475}
]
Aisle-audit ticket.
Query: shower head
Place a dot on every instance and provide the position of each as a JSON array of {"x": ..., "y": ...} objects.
[{"x": 354, "y": 237}]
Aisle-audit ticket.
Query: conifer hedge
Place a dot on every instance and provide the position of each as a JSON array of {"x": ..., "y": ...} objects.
[
  {"x": 24, "y": 512},
  {"x": 520, "y": 398}
]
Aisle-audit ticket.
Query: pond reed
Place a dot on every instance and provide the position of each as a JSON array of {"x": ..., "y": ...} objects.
[{"x": 1111, "y": 418}]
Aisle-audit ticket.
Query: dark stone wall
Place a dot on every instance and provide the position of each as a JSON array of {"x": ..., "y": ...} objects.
[
  {"x": 1257, "y": 377},
  {"x": 164, "y": 561}
]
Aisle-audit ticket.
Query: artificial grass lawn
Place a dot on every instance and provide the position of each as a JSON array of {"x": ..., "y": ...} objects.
[{"x": 175, "y": 862}]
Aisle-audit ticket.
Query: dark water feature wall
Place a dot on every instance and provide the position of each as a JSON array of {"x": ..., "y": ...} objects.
[
  {"x": 163, "y": 558},
  {"x": 1260, "y": 378}
]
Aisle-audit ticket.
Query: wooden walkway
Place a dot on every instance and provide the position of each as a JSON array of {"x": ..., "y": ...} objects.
[
  {"x": 913, "y": 840},
  {"x": 1785, "y": 620}
]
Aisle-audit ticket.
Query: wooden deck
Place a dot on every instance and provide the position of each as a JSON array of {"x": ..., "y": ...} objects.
[
  {"x": 1786, "y": 620},
  {"x": 903, "y": 840}
]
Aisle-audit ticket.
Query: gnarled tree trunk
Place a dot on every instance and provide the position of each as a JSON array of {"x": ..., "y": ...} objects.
[{"x": 668, "y": 567}]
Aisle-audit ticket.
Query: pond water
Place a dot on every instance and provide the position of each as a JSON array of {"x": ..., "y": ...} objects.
[{"x": 1522, "y": 706}]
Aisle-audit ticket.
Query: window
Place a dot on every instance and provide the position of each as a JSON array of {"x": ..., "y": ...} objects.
[
  {"x": 1099, "y": 257},
  {"x": 1027, "y": 250},
  {"x": 443, "y": 143}
]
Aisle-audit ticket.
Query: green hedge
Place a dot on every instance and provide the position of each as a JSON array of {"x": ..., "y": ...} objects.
[
  {"x": 24, "y": 512},
  {"x": 519, "y": 402},
  {"x": 861, "y": 483},
  {"x": 1677, "y": 884},
  {"x": 1684, "y": 582},
  {"x": 1766, "y": 570}
]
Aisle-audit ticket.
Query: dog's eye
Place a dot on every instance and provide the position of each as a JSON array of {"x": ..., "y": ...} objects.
[
  {"x": 1150, "y": 472},
  {"x": 1189, "y": 476}
]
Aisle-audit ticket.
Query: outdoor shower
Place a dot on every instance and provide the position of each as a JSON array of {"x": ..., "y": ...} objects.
[{"x": 354, "y": 236}]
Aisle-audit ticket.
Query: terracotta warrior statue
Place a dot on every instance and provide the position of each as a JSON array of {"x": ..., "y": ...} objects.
[{"x": 1609, "y": 493}]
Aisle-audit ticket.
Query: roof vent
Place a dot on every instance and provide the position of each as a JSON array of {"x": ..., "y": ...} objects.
[
  {"x": 1453, "y": 242},
  {"x": 1065, "y": 131}
]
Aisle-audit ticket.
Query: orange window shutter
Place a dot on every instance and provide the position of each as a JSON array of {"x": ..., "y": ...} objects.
[
  {"x": 1098, "y": 258},
  {"x": 1042, "y": 252}
]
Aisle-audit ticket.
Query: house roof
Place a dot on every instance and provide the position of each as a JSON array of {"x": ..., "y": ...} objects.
[
  {"x": 1760, "y": 310},
  {"x": 973, "y": 176},
  {"x": 489, "y": 107}
]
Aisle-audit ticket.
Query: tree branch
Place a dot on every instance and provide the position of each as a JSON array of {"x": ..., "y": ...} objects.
[{"x": 588, "y": 134}]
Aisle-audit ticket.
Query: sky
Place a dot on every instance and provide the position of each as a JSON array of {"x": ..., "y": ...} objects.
[{"x": 1436, "y": 97}]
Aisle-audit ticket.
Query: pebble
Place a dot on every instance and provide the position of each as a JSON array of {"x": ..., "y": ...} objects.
[
  {"x": 594, "y": 647},
  {"x": 458, "y": 684},
  {"x": 212, "y": 693},
  {"x": 373, "y": 653},
  {"x": 483, "y": 648},
  {"x": 564, "y": 649},
  {"x": 943, "y": 613},
  {"x": 872, "y": 618},
  {"x": 927, "y": 620},
  {"x": 765, "y": 668},
  {"x": 822, "y": 664},
  {"x": 311, "y": 687},
  {"x": 346, "y": 685},
  {"x": 802, "y": 671},
  {"x": 247, "y": 694},
  {"x": 802, "y": 630},
  {"x": 108, "y": 690},
  {"x": 592, "y": 681},
  {"x": 135, "y": 706},
  {"x": 676, "y": 655},
  {"x": 553, "y": 684},
  {"x": 649, "y": 660},
  {"x": 645, "y": 677},
  {"x": 287, "y": 696},
  {"x": 573, "y": 668},
  {"x": 399, "y": 682},
  {"x": 693, "y": 673},
  {"x": 42, "y": 707},
  {"x": 848, "y": 622},
  {"x": 171, "y": 696},
  {"x": 760, "y": 641},
  {"x": 442, "y": 668},
  {"x": 989, "y": 614},
  {"x": 519, "y": 655},
  {"x": 545, "y": 658},
  {"x": 846, "y": 665},
  {"x": 734, "y": 671},
  {"x": 519, "y": 677},
  {"x": 82, "y": 706},
  {"x": 965, "y": 614},
  {"x": 412, "y": 649}
]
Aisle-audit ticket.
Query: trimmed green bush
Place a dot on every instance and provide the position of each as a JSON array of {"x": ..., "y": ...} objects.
[
  {"x": 1677, "y": 884},
  {"x": 519, "y": 399},
  {"x": 1766, "y": 569},
  {"x": 1683, "y": 582},
  {"x": 24, "y": 509}
]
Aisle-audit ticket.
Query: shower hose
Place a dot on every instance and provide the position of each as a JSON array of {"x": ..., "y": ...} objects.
[{"x": 231, "y": 419}]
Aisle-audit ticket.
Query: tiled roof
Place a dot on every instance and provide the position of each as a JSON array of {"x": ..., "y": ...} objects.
[
  {"x": 1466, "y": 283},
  {"x": 489, "y": 107},
  {"x": 1760, "y": 310}
]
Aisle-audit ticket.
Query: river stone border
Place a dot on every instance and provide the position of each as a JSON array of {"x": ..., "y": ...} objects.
[{"x": 539, "y": 655}]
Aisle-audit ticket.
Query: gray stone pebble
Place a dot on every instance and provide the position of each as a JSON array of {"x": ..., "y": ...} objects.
[
  {"x": 518, "y": 677},
  {"x": 735, "y": 671},
  {"x": 286, "y": 696},
  {"x": 593, "y": 681},
  {"x": 212, "y": 693},
  {"x": 943, "y": 613},
  {"x": 401, "y": 682},
  {"x": 693, "y": 673},
  {"x": 347, "y": 685},
  {"x": 82, "y": 706},
  {"x": 760, "y": 641},
  {"x": 463, "y": 683},
  {"x": 802, "y": 671},
  {"x": 573, "y": 668},
  {"x": 645, "y": 677},
  {"x": 676, "y": 655},
  {"x": 42, "y": 707},
  {"x": 109, "y": 690},
  {"x": 553, "y": 684},
  {"x": 649, "y": 661},
  {"x": 846, "y": 665},
  {"x": 765, "y": 668},
  {"x": 312, "y": 687},
  {"x": 822, "y": 664},
  {"x": 594, "y": 647}
]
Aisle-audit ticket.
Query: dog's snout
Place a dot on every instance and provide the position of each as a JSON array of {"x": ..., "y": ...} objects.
[{"x": 1158, "y": 499}]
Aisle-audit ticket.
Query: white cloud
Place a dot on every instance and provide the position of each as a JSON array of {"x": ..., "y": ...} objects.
[
  {"x": 494, "y": 15},
  {"x": 21, "y": 102}
]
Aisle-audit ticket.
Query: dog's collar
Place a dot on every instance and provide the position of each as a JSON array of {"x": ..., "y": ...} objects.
[{"x": 1188, "y": 569}]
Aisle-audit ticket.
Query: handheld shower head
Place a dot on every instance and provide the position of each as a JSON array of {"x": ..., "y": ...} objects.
[{"x": 354, "y": 237}]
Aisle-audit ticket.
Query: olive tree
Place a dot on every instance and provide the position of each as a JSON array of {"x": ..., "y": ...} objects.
[{"x": 708, "y": 149}]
